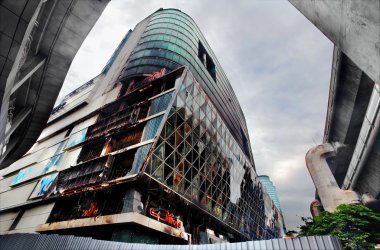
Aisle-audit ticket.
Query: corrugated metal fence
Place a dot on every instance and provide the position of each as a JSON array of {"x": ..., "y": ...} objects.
[{"x": 53, "y": 241}]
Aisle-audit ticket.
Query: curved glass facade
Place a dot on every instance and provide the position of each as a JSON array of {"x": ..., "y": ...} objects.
[{"x": 172, "y": 39}]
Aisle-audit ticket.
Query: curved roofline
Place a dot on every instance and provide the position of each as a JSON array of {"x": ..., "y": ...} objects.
[
  {"x": 237, "y": 105},
  {"x": 263, "y": 175}
]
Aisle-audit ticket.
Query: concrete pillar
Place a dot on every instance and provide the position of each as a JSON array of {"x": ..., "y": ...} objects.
[
  {"x": 132, "y": 202},
  {"x": 328, "y": 190}
]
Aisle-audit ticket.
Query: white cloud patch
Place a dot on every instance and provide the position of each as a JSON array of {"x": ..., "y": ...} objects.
[{"x": 278, "y": 64}]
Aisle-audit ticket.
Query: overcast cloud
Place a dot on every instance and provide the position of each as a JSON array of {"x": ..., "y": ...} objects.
[{"x": 277, "y": 62}]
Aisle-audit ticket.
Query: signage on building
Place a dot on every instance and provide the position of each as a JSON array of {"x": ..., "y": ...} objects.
[{"x": 165, "y": 216}]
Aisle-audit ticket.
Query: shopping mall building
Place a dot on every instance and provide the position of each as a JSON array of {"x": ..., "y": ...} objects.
[{"x": 154, "y": 149}]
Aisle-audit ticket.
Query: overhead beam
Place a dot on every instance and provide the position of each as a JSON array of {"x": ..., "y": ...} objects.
[
  {"x": 351, "y": 25},
  {"x": 13, "y": 73},
  {"x": 35, "y": 65},
  {"x": 17, "y": 121}
]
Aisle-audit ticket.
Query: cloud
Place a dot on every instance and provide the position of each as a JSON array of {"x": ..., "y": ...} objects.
[{"x": 278, "y": 64}]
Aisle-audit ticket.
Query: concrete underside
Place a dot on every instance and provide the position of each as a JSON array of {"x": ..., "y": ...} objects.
[
  {"x": 369, "y": 178},
  {"x": 56, "y": 36},
  {"x": 353, "y": 27},
  {"x": 347, "y": 107}
]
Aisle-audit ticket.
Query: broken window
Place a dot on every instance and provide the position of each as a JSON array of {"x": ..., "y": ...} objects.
[
  {"x": 76, "y": 138},
  {"x": 143, "y": 112},
  {"x": 126, "y": 139},
  {"x": 151, "y": 128},
  {"x": 160, "y": 104},
  {"x": 206, "y": 60},
  {"x": 91, "y": 150},
  {"x": 83, "y": 174},
  {"x": 113, "y": 121},
  {"x": 88, "y": 204},
  {"x": 129, "y": 162}
]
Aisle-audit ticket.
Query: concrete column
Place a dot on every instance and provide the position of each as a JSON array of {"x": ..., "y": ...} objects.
[
  {"x": 132, "y": 202},
  {"x": 329, "y": 192}
]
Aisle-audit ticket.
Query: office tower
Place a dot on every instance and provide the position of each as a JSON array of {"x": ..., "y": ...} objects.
[
  {"x": 272, "y": 192},
  {"x": 271, "y": 189}
]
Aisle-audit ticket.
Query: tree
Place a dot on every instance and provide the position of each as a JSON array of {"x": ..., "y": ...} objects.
[{"x": 356, "y": 226}]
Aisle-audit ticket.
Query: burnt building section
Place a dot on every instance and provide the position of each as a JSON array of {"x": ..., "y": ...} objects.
[
  {"x": 148, "y": 151},
  {"x": 162, "y": 150}
]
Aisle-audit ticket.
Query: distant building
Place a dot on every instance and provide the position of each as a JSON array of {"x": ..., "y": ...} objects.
[
  {"x": 271, "y": 190},
  {"x": 155, "y": 149},
  {"x": 345, "y": 168}
]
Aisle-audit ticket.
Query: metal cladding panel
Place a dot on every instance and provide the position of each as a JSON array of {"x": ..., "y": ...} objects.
[
  {"x": 275, "y": 244},
  {"x": 47, "y": 143},
  {"x": 33, "y": 217},
  {"x": 269, "y": 244},
  {"x": 25, "y": 161},
  {"x": 41, "y": 241},
  {"x": 6, "y": 220},
  {"x": 84, "y": 125},
  {"x": 297, "y": 243},
  {"x": 304, "y": 243},
  {"x": 17, "y": 195}
]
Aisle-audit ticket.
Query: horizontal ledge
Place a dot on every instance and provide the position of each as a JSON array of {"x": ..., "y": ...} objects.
[{"x": 123, "y": 218}]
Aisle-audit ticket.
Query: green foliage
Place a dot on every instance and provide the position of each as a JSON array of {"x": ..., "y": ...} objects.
[{"x": 356, "y": 226}]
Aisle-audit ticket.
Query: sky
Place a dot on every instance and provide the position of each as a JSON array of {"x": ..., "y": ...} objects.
[{"x": 278, "y": 64}]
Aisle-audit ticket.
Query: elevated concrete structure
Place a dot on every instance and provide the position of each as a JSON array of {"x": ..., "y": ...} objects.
[
  {"x": 353, "y": 118},
  {"x": 331, "y": 195},
  {"x": 351, "y": 25},
  {"x": 39, "y": 40}
]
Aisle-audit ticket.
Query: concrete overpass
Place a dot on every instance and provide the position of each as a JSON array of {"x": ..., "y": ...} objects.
[
  {"x": 39, "y": 39},
  {"x": 352, "y": 120}
]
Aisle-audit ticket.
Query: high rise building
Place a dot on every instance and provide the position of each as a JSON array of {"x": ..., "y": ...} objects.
[
  {"x": 271, "y": 189},
  {"x": 155, "y": 149},
  {"x": 272, "y": 192}
]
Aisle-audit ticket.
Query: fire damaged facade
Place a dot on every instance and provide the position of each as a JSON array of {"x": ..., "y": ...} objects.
[{"x": 153, "y": 150}]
